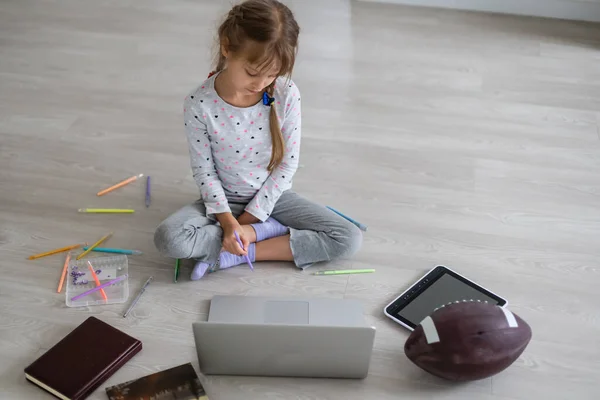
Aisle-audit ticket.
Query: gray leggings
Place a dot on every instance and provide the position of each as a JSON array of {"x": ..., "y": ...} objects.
[{"x": 316, "y": 233}]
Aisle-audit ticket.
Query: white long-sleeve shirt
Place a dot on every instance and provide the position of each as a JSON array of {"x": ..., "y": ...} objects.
[{"x": 230, "y": 148}]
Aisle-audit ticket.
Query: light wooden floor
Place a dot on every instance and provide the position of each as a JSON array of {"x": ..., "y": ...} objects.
[{"x": 461, "y": 139}]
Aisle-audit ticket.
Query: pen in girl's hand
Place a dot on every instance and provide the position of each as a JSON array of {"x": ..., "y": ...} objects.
[{"x": 237, "y": 237}]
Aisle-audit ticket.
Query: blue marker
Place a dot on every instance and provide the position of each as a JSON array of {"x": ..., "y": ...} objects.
[
  {"x": 358, "y": 224},
  {"x": 117, "y": 251}
]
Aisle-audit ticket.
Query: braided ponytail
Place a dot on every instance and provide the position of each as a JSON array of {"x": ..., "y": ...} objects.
[{"x": 278, "y": 145}]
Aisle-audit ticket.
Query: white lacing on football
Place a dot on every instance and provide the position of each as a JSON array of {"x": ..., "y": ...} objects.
[
  {"x": 510, "y": 319},
  {"x": 456, "y": 302}
]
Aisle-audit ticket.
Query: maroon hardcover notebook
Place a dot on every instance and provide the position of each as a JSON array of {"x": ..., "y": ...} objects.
[{"x": 82, "y": 360}]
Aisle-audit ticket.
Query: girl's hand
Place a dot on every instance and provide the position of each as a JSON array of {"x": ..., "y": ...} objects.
[
  {"x": 246, "y": 219},
  {"x": 230, "y": 242},
  {"x": 230, "y": 225}
]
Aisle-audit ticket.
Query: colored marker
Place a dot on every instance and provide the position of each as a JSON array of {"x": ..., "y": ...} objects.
[
  {"x": 106, "y": 210},
  {"x": 344, "y": 271},
  {"x": 64, "y": 272},
  {"x": 79, "y": 257},
  {"x": 360, "y": 226},
  {"x": 237, "y": 237},
  {"x": 55, "y": 251},
  {"x": 148, "y": 191},
  {"x": 142, "y": 290},
  {"x": 120, "y": 184},
  {"x": 177, "y": 265},
  {"x": 109, "y": 283},
  {"x": 116, "y": 251},
  {"x": 102, "y": 292}
]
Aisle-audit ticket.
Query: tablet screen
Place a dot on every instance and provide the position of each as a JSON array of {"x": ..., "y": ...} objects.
[
  {"x": 443, "y": 291},
  {"x": 441, "y": 286}
]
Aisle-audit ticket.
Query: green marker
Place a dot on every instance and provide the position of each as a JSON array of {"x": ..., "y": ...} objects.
[
  {"x": 177, "y": 263},
  {"x": 344, "y": 271}
]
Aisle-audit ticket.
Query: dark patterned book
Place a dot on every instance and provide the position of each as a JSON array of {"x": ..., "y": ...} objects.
[{"x": 178, "y": 383}]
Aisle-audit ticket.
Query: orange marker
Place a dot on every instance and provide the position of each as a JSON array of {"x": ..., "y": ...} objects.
[
  {"x": 102, "y": 292},
  {"x": 120, "y": 184},
  {"x": 55, "y": 251},
  {"x": 64, "y": 272}
]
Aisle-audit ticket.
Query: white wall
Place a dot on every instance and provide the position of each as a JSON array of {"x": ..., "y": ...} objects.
[{"x": 584, "y": 10}]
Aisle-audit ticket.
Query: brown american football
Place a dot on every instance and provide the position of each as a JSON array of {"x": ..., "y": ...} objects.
[{"x": 468, "y": 340}]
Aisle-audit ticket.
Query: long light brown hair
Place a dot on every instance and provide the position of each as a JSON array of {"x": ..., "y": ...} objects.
[{"x": 271, "y": 24}]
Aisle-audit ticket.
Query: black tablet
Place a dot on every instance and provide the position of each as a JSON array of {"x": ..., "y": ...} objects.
[{"x": 438, "y": 287}]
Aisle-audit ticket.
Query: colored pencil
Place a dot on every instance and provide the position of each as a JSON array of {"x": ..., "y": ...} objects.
[
  {"x": 344, "y": 271},
  {"x": 142, "y": 290},
  {"x": 120, "y": 184},
  {"x": 177, "y": 265},
  {"x": 106, "y": 210},
  {"x": 102, "y": 292},
  {"x": 237, "y": 237},
  {"x": 64, "y": 272},
  {"x": 55, "y": 251},
  {"x": 148, "y": 191},
  {"x": 360, "y": 226},
  {"x": 109, "y": 283},
  {"x": 116, "y": 251},
  {"x": 79, "y": 257}
]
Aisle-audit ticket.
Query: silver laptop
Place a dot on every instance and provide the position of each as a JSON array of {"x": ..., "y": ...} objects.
[{"x": 297, "y": 337}]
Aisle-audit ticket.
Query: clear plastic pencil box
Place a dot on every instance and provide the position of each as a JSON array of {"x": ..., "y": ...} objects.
[{"x": 79, "y": 280}]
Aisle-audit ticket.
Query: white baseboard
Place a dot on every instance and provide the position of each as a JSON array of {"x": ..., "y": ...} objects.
[{"x": 564, "y": 9}]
